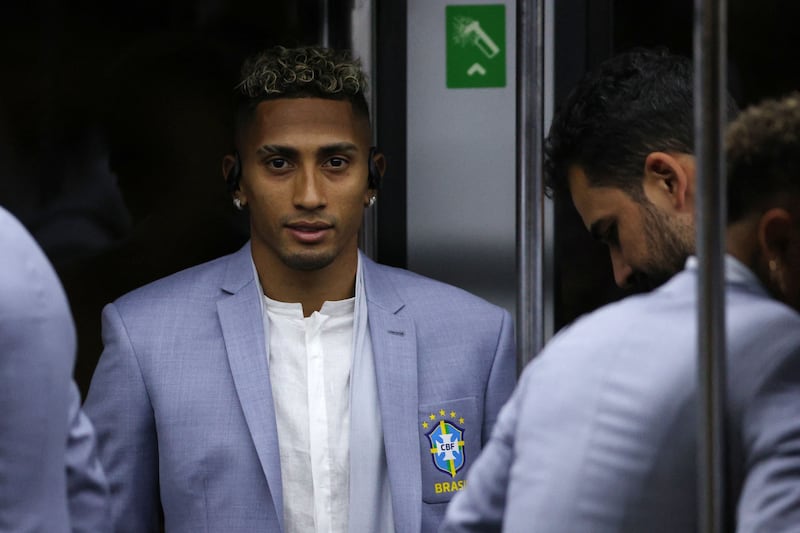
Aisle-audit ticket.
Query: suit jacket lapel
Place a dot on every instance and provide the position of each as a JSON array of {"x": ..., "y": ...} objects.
[
  {"x": 394, "y": 346},
  {"x": 243, "y": 330}
]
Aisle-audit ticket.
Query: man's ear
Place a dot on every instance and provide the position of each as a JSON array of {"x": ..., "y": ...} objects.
[
  {"x": 668, "y": 178},
  {"x": 228, "y": 164},
  {"x": 774, "y": 233},
  {"x": 232, "y": 172},
  {"x": 380, "y": 162}
]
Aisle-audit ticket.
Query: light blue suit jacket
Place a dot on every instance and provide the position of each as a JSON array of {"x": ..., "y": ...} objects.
[
  {"x": 599, "y": 435},
  {"x": 182, "y": 399},
  {"x": 50, "y": 477}
]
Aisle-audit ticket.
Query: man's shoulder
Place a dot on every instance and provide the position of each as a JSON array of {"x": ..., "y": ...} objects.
[
  {"x": 196, "y": 282},
  {"x": 650, "y": 322},
  {"x": 751, "y": 306},
  {"x": 29, "y": 285},
  {"x": 635, "y": 308},
  {"x": 422, "y": 291},
  {"x": 760, "y": 324}
]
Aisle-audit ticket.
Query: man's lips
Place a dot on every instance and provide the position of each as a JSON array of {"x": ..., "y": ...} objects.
[{"x": 308, "y": 232}]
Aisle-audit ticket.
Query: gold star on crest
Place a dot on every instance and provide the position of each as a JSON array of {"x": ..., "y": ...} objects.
[
  {"x": 425, "y": 425},
  {"x": 441, "y": 412},
  {"x": 432, "y": 417},
  {"x": 461, "y": 420},
  {"x": 452, "y": 414}
]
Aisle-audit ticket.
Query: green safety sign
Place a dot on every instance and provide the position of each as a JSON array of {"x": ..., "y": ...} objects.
[{"x": 476, "y": 46}]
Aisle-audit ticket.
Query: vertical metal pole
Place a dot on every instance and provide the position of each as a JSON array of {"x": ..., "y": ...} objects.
[
  {"x": 530, "y": 189},
  {"x": 362, "y": 43},
  {"x": 710, "y": 118},
  {"x": 548, "y": 287},
  {"x": 325, "y": 33}
]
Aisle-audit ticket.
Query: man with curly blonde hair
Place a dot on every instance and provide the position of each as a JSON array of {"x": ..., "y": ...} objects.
[{"x": 296, "y": 385}]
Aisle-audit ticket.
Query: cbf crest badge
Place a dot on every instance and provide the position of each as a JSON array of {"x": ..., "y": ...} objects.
[{"x": 447, "y": 441}]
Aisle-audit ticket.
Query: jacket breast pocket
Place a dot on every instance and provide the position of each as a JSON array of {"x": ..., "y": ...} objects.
[{"x": 449, "y": 439}]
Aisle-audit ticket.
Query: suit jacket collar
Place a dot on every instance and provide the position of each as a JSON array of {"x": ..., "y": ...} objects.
[
  {"x": 736, "y": 273},
  {"x": 239, "y": 271},
  {"x": 241, "y": 318},
  {"x": 380, "y": 286},
  {"x": 394, "y": 347}
]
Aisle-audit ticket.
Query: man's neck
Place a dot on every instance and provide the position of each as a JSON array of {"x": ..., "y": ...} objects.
[
  {"x": 742, "y": 241},
  {"x": 309, "y": 288}
]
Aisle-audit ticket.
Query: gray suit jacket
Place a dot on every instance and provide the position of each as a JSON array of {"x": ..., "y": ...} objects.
[
  {"x": 50, "y": 477},
  {"x": 183, "y": 406},
  {"x": 599, "y": 435}
]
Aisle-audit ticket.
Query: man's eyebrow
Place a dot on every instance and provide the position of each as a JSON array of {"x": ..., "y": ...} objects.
[
  {"x": 337, "y": 148},
  {"x": 322, "y": 152},
  {"x": 277, "y": 149}
]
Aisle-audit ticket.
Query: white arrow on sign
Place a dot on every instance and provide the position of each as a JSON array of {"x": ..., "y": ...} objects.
[{"x": 476, "y": 68}]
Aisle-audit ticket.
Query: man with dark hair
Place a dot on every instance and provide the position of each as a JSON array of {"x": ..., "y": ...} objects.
[
  {"x": 600, "y": 434},
  {"x": 622, "y": 145},
  {"x": 296, "y": 385}
]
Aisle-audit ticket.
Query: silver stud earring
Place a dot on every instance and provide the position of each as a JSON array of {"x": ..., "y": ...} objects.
[
  {"x": 371, "y": 201},
  {"x": 238, "y": 203}
]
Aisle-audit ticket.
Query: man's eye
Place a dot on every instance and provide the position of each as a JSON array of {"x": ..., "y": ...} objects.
[
  {"x": 611, "y": 235},
  {"x": 277, "y": 163},
  {"x": 336, "y": 162}
]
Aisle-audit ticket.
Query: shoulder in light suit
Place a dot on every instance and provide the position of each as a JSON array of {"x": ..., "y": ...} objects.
[
  {"x": 599, "y": 436},
  {"x": 50, "y": 476},
  {"x": 183, "y": 405}
]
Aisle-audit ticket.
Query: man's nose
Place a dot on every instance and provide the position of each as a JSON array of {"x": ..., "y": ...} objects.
[
  {"x": 307, "y": 191},
  {"x": 622, "y": 270}
]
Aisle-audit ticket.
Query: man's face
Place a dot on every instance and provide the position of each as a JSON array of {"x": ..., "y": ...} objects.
[
  {"x": 304, "y": 180},
  {"x": 647, "y": 244}
]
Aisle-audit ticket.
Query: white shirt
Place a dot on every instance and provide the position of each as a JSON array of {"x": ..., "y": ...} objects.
[{"x": 310, "y": 361}]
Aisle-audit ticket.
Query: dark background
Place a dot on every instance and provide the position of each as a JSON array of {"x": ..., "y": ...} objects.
[{"x": 113, "y": 122}]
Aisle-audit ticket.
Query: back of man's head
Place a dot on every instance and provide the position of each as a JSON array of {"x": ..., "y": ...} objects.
[
  {"x": 307, "y": 72},
  {"x": 633, "y": 104},
  {"x": 763, "y": 158}
]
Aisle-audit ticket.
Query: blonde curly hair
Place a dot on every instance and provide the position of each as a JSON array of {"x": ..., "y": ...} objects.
[
  {"x": 763, "y": 156},
  {"x": 306, "y": 72}
]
